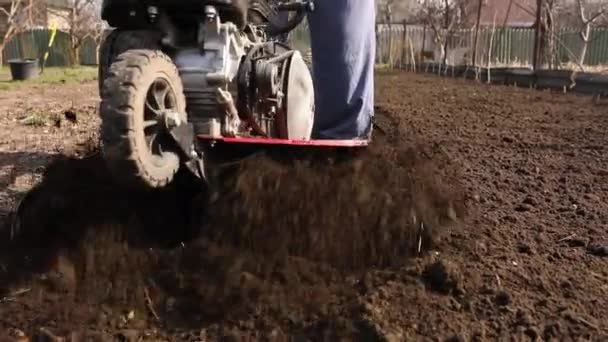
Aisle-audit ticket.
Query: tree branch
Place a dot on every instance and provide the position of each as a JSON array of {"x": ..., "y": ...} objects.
[
  {"x": 581, "y": 10},
  {"x": 597, "y": 15}
]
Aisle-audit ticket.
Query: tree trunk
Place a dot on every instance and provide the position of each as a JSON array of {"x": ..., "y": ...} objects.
[
  {"x": 75, "y": 54},
  {"x": 447, "y": 33},
  {"x": 476, "y": 43},
  {"x": 97, "y": 48},
  {"x": 390, "y": 44},
  {"x": 442, "y": 45},
  {"x": 423, "y": 45},
  {"x": 538, "y": 35},
  {"x": 445, "y": 51},
  {"x": 404, "y": 45},
  {"x": 551, "y": 44},
  {"x": 585, "y": 37}
]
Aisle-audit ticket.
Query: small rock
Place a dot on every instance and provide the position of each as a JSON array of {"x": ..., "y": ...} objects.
[
  {"x": 454, "y": 305},
  {"x": 139, "y": 324},
  {"x": 508, "y": 140},
  {"x": 456, "y": 338},
  {"x": 502, "y": 298},
  {"x": 552, "y": 330},
  {"x": 45, "y": 335},
  {"x": 71, "y": 116},
  {"x": 530, "y": 201},
  {"x": 525, "y": 248},
  {"x": 593, "y": 197},
  {"x": 170, "y": 304},
  {"x": 101, "y": 319},
  {"x": 230, "y": 336},
  {"x": 577, "y": 242},
  {"x": 522, "y": 318},
  {"x": 532, "y": 333},
  {"x": 18, "y": 335},
  {"x": 482, "y": 248},
  {"x": 523, "y": 208},
  {"x": 128, "y": 335},
  {"x": 393, "y": 337},
  {"x": 451, "y": 214},
  {"x": 62, "y": 277},
  {"x": 276, "y": 335}
]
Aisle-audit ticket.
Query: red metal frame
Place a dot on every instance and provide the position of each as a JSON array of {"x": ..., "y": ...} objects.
[{"x": 272, "y": 141}]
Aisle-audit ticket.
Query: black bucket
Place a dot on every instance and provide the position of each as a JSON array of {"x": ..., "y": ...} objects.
[{"x": 24, "y": 69}]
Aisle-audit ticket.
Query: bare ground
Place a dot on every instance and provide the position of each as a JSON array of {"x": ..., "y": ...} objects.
[
  {"x": 34, "y": 128},
  {"x": 513, "y": 180}
]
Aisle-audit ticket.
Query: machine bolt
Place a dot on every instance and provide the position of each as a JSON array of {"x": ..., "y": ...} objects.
[
  {"x": 152, "y": 13},
  {"x": 210, "y": 12},
  {"x": 171, "y": 120}
]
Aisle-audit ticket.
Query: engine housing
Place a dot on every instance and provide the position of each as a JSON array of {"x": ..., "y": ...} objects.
[
  {"x": 205, "y": 69},
  {"x": 237, "y": 83}
]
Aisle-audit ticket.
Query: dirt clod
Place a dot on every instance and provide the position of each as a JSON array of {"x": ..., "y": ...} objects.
[
  {"x": 598, "y": 250},
  {"x": 532, "y": 333},
  {"x": 502, "y": 298},
  {"x": 443, "y": 276},
  {"x": 578, "y": 242}
]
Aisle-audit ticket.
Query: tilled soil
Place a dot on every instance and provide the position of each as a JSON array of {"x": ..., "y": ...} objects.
[{"x": 479, "y": 213}]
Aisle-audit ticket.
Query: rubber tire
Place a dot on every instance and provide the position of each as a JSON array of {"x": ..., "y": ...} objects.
[
  {"x": 119, "y": 41},
  {"x": 122, "y": 118}
]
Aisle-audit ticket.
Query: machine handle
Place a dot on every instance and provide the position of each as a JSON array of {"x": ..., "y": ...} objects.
[
  {"x": 297, "y": 6},
  {"x": 301, "y": 7}
]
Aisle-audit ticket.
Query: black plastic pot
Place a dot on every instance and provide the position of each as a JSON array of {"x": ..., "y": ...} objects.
[{"x": 23, "y": 69}]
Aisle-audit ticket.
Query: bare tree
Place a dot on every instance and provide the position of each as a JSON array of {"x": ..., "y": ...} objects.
[
  {"x": 443, "y": 16},
  {"x": 18, "y": 16},
  {"x": 400, "y": 9},
  {"x": 549, "y": 36},
  {"x": 84, "y": 21},
  {"x": 587, "y": 21}
]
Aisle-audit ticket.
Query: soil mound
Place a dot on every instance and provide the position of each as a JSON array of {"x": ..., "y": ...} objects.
[
  {"x": 361, "y": 210},
  {"x": 277, "y": 241}
]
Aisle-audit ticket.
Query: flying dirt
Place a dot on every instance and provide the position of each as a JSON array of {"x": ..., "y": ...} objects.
[{"x": 279, "y": 237}]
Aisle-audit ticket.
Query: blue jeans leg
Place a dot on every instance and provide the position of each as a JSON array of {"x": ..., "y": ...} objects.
[{"x": 343, "y": 42}]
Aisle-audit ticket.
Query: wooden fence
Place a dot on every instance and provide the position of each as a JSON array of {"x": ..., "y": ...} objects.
[
  {"x": 400, "y": 44},
  {"x": 33, "y": 44}
]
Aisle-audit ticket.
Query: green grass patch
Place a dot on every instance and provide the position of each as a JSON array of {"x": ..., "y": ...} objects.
[{"x": 51, "y": 76}]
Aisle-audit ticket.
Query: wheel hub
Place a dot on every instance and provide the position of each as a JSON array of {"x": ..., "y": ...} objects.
[
  {"x": 160, "y": 114},
  {"x": 167, "y": 120}
]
